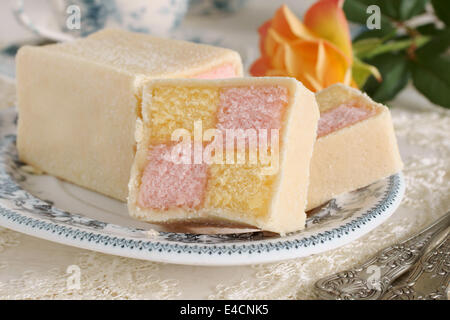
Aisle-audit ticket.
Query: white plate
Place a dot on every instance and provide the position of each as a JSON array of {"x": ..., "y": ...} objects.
[{"x": 48, "y": 208}]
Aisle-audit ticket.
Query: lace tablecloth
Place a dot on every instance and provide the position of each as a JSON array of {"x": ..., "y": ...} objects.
[{"x": 35, "y": 268}]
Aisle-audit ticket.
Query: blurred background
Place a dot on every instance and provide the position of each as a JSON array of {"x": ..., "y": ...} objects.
[
  {"x": 231, "y": 23},
  {"x": 409, "y": 47}
]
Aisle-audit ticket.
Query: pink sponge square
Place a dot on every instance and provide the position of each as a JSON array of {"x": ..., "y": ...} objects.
[
  {"x": 166, "y": 183},
  {"x": 251, "y": 107},
  {"x": 340, "y": 117}
]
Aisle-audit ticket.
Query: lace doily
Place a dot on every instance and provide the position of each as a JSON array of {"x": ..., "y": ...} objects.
[{"x": 102, "y": 277}]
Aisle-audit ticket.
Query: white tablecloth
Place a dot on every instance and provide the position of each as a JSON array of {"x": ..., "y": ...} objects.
[{"x": 35, "y": 268}]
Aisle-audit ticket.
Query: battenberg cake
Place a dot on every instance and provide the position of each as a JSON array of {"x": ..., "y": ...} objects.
[
  {"x": 355, "y": 145},
  {"x": 269, "y": 193},
  {"x": 78, "y": 101}
]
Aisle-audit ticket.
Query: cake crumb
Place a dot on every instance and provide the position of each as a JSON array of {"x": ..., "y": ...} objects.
[{"x": 152, "y": 233}]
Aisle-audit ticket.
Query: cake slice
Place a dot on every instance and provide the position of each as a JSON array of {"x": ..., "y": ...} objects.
[
  {"x": 355, "y": 145},
  {"x": 78, "y": 101},
  {"x": 235, "y": 151}
]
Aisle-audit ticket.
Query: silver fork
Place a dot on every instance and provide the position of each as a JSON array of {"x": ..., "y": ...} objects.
[
  {"x": 428, "y": 280},
  {"x": 372, "y": 279}
]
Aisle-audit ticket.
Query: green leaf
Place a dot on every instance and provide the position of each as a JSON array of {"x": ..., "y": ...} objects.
[
  {"x": 407, "y": 9},
  {"x": 399, "y": 10},
  {"x": 364, "y": 46},
  {"x": 369, "y": 34},
  {"x": 369, "y": 48},
  {"x": 356, "y": 11},
  {"x": 394, "y": 70},
  {"x": 432, "y": 78},
  {"x": 375, "y": 33},
  {"x": 428, "y": 29},
  {"x": 399, "y": 45},
  {"x": 362, "y": 71},
  {"x": 442, "y": 10},
  {"x": 438, "y": 44},
  {"x": 389, "y": 8},
  {"x": 402, "y": 10}
]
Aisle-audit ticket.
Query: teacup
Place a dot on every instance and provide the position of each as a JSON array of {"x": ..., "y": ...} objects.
[
  {"x": 79, "y": 18},
  {"x": 209, "y": 7}
]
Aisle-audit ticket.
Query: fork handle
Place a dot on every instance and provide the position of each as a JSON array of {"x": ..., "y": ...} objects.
[
  {"x": 429, "y": 278},
  {"x": 373, "y": 278}
]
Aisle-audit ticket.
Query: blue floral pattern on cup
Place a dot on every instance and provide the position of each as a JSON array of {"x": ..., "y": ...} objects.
[
  {"x": 207, "y": 7},
  {"x": 158, "y": 17}
]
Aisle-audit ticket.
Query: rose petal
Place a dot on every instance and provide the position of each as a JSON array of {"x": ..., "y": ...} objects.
[
  {"x": 260, "y": 67},
  {"x": 263, "y": 33},
  {"x": 272, "y": 42},
  {"x": 278, "y": 59},
  {"x": 287, "y": 25},
  {"x": 336, "y": 65},
  {"x": 317, "y": 63},
  {"x": 327, "y": 20},
  {"x": 276, "y": 73},
  {"x": 301, "y": 61},
  {"x": 321, "y": 62}
]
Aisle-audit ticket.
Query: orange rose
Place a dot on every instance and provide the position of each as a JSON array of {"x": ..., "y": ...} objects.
[{"x": 318, "y": 52}]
